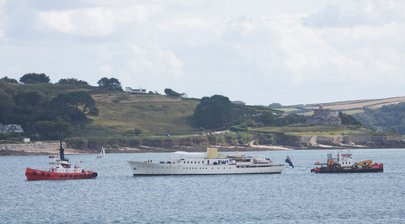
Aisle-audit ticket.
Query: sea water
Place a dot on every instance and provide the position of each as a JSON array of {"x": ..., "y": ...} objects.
[{"x": 295, "y": 196}]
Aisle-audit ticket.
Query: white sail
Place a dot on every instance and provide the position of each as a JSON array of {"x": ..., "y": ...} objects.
[{"x": 102, "y": 153}]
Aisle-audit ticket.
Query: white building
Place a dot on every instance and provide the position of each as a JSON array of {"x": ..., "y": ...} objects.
[{"x": 137, "y": 91}]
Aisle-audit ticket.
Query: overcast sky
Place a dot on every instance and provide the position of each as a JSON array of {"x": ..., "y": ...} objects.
[{"x": 256, "y": 51}]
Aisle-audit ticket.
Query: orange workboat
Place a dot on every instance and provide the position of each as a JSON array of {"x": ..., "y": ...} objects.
[{"x": 344, "y": 163}]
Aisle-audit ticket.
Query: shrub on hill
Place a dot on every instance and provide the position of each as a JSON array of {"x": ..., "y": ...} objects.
[
  {"x": 170, "y": 92},
  {"x": 213, "y": 112},
  {"x": 348, "y": 119},
  {"x": 109, "y": 84},
  {"x": 32, "y": 78},
  {"x": 9, "y": 80},
  {"x": 73, "y": 82}
]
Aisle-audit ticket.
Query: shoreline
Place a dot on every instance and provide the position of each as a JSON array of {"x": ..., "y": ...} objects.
[{"x": 147, "y": 149}]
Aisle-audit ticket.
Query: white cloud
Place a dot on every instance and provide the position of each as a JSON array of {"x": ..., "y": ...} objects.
[
  {"x": 272, "y": 51},
  {"x": 3, "y": 19},
  {"x": 106, "y": 69},
  {"x": 187, "y": 24},
  {"x": 370, "y": 42},
  {"x": 301, "y": 56},
  {"x": 364, "y": 13},
  {"x": 153, "y": 61},
  {"x": 94, "y": 22}
]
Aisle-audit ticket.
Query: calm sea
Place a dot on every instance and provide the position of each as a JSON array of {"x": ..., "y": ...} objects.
[{"x": 295, "y": 196}]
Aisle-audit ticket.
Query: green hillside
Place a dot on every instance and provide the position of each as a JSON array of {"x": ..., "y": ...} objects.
[
  {"x": 153, "y": 114},
  {"x": 90, "y": 117}
]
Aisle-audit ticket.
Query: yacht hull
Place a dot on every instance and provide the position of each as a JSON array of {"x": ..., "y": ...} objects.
[{"x": 152, "y": 169}]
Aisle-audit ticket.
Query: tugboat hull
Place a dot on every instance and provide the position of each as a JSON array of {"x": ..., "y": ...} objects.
[{"x": 33, "y": 174}]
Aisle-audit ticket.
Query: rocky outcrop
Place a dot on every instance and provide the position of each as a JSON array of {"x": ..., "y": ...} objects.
[
  {"x": 355, "y": 141},
  {"x": 199, "y": 143},
  {"x": 34, "y": 148}
]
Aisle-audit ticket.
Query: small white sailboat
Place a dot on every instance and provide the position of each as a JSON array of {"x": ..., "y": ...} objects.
[{"x": 102, "y": 153}]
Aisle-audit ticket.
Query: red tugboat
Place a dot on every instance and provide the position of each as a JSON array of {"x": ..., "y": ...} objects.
[
  {"x": 344, "y": 164},
  {"x": 59, "y": 169}
]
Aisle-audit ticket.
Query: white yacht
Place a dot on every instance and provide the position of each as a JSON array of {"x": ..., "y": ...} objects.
[{"x": 211, "y": 163}]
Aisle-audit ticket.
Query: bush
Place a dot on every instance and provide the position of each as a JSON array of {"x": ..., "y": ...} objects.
[
  {"x": 171, "y": 92},
  {"x": 134, "y": 142},
  {"x": 73, "y": 82},
  {"x": 9, "y": 80},
  {"x": 109, "y": 84},
  {"x": 77, "y": 143},
  {"x": 32, "y": 78},
  {"x": 138, "y": 131}
]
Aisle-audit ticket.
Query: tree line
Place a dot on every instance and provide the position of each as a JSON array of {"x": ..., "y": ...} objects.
[
  {"x": 44, "y": 116},
  {"x": 110, "y": 84},
  {"x": 41, "y": 78},
  {"x": 218, "y": 113}
]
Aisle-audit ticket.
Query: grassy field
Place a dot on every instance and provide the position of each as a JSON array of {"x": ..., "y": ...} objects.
[
  {"x": 349, "y": 107},
  {"x": 327, "y": 131},
  {"x": 159, "y": 115}
]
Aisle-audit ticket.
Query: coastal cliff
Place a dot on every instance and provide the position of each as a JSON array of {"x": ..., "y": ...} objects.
[{"x": 315, "y": 142}]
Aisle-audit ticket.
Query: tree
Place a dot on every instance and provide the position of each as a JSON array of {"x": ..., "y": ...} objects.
[
  {"x": 6, "y": 106},
  {"x": 43, "y": 118},
  {"x": 171, "y": 92},
  {"x": 9, "y": 80},
  {"x": 73, "y": 82},
  {"x": 63, "y": 106},
  {"x": 213, "y": 112},
  {"x": 348, "y": 119},
  {"x": 72, "y": 107},
  {"x": 82, "y": 99},
  {"x": 267, "y": 118},
  {"x": 32, "y": 78},
  {"x": 52, "y": 130},
  {"x": 109, "y": 84},
  {"x": 28, "y": 99},
  {"x": 59, "y": 115}
]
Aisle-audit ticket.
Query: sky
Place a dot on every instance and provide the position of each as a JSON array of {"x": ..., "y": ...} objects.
[{"x": 257, "y": 51}]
